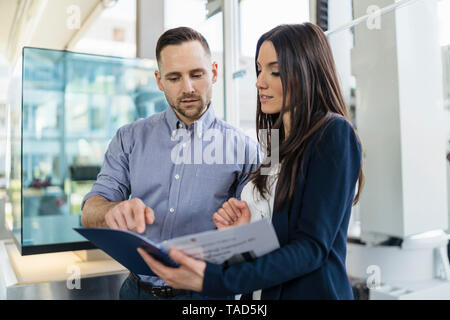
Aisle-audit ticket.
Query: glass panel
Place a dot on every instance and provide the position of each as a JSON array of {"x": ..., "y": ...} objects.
[
  {"x": 13, "y": 156},
  {"x": 72, "y": 105}
]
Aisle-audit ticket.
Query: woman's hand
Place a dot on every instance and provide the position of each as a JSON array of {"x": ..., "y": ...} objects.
[
  {"x": 189, "y": 275},
  {"x": 233, "y": 213}
]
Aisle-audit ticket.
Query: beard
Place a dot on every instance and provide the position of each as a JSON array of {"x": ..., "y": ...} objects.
[{"x": 192, "y": 111}]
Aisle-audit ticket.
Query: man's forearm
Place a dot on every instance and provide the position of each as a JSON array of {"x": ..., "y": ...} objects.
[{"x": 94, "y": 211}]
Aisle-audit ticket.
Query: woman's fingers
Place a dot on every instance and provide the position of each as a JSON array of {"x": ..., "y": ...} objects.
[
  {"x": 243, "y": 209},
  {"x": 153, "y": 264},
  {"x": 189, "y": 275},
  {"x": 217, "y": 217},
  {"x": 226, "y": 215},
  {"x": 232, "y": 213},
  {"x": 233, "y": 203},
  {"x": 195, "y": 265},
  {"x": 231, "y": 210}
]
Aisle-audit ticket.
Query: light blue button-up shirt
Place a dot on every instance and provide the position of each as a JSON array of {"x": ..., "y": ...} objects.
[{"x": 183, "y": 174}]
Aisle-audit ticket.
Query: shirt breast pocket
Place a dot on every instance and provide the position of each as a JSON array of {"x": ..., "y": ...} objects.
[
  {"x": 215, "y": 182},
  {"x": 216, "y": 172}
]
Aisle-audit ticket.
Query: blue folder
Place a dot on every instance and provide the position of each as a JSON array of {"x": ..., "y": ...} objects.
[{"x": 122, "y": 246}]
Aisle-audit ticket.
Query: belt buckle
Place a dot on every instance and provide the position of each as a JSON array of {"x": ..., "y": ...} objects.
[{"x": 162, "y": 292}]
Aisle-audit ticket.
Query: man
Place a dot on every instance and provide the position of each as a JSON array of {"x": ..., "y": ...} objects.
[{"x": 143, "y": 185}]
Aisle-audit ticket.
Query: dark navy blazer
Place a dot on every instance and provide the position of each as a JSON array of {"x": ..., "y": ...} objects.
[{"x": 310, "y": 263}]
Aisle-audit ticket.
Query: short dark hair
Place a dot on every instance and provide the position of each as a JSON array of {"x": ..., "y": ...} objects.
[{"x": 177, "y": 36}]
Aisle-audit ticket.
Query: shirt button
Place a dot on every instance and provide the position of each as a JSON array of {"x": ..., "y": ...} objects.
[
  {"x": 172, "y": 210},
  {"x": 177, "y": 176},
  {"x": 184, "y": 145}
]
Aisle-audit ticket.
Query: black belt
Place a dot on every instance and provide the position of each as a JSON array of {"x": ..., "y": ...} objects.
[{"x": 157, "y": 291}]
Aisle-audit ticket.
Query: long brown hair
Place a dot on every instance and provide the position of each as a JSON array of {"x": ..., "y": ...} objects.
[{"x": 308, "y": 75}]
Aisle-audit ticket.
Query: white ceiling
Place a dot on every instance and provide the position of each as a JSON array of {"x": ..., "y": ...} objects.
[
  {"x": 43, "y": 24},
  {"x": 52, "y": 28},
  {"x": 7, "y": 13}
]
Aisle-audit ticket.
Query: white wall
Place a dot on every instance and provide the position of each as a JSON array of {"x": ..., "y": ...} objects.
[
  {"x": 398, "y": 72},
  {"x": 150, "y": 25}
]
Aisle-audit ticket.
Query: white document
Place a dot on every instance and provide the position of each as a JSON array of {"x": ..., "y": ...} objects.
[{"x": 229, "y": 246}]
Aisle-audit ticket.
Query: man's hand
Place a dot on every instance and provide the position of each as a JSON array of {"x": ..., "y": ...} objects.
[
  {"x": 233, "y": 213},
  {"x": 130, "y": 215}
]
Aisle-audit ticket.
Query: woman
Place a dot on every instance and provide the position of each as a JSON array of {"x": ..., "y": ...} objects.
[{"x": 310, "y": 193}]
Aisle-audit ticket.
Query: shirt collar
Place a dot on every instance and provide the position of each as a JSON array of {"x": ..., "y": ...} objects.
[{"x": 200, "y": 125}]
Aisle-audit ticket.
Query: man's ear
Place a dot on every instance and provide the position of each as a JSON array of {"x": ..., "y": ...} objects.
[
  {"x": 214, "y": 72},
  {"x": 158, "y": 80}
]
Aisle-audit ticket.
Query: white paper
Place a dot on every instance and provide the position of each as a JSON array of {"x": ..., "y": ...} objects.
[{"x": 240, "y": 243}]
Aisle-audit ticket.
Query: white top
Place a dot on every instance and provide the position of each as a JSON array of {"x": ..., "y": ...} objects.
[{"x": 260, "y": 207}]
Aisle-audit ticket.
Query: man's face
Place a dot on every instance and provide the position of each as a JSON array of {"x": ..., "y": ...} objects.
[{"x": 186, "y": 76}]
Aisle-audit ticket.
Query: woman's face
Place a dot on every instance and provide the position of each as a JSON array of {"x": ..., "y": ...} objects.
[{"x": 270, "y": 89}]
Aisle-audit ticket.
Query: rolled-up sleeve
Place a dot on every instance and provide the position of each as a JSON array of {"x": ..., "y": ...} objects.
[{"x": 113, "y": 181}]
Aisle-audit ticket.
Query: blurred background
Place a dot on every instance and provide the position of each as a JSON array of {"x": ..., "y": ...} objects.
[
  {"x": 87, "y": 69},
  {"x": 73, "y": 71}
]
